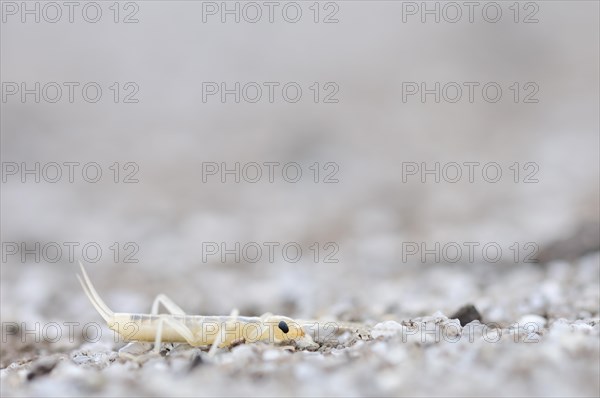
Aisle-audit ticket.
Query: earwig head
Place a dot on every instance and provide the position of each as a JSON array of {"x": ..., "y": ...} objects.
[{"x": 281, "y": 328}]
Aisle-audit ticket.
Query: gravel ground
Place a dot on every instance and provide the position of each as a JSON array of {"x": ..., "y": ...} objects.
[{"x": 539, "y": 339}]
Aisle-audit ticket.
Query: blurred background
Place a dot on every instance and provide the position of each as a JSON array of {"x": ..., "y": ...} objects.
[{"x": 366, "y": 137}]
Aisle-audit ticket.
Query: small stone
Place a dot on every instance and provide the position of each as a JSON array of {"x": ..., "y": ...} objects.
[
  {"x": 537, "y": 320},
  {"x": 466, "y": 314},
  {"x": 271, "y": 355},
  {"x": 41, "y": 367},
  {"x": 387, "y": 329},
  {"x": 196, "y": 361},
  {"x": 243, "y": 353}
]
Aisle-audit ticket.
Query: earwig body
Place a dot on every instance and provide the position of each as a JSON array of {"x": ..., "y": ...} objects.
[
  {"x": 195, "y": 330},
  {"x": 205, "y": 329}
]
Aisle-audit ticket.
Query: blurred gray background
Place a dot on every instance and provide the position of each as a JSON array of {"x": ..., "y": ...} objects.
[{"x": 369, "y": 134}]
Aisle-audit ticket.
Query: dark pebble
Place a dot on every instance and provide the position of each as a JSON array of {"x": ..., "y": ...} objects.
[
  {"x": 466, "y": 314},
  {"x": 40, "y": 369},
  {"x": 196, "y": 361}
]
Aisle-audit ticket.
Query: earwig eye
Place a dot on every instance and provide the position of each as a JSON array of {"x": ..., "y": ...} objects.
[{"x": 283, "y": 327}]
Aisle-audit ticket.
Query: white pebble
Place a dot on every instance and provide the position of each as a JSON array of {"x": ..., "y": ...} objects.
[
  {"x": 387, "y": 329},
  {"x": 537, "y": 320}
]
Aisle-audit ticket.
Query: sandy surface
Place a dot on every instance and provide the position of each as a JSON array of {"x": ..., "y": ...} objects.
[{"x": 540, "y": 339}]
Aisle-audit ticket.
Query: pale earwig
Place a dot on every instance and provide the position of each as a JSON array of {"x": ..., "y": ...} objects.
[{"x": 196, "y": 330}]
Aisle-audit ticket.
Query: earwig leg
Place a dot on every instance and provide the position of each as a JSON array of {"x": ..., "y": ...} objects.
[
  {"x": 158, "y": 337},
  {"x": 179, "y": 327},
  {"x": 219, "y": 339},
  {"x": 173, "y": 309},
  {"x": 137, "y": 352},
  {"x": 215, "y": 344},
  {"x": 265, "y": 316},
  {"x": 169, "y": 304}
]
